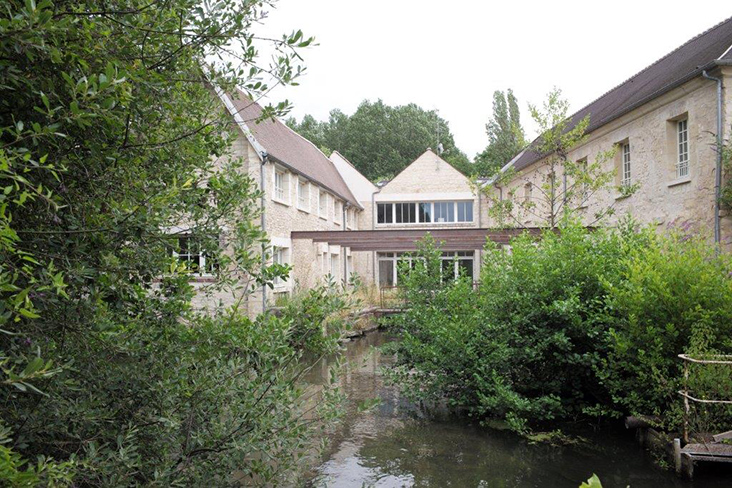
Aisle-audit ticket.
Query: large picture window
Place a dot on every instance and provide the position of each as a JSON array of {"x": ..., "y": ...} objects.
[
  {"x": 424, "y": 212},
  {"x": 454, "y": 265}
]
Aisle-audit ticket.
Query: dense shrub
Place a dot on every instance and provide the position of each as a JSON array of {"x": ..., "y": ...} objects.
[
  {"x": 112, "y": 145},
  {"x": 580, "y": 323},
  {"x": 318, "y": 316},
  {"x": 674, "y": 295}
]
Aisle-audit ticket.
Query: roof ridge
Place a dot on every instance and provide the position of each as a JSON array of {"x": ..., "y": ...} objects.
[
  {"x": 716, "y": 26},
  {"x": 335, "y": 151}
]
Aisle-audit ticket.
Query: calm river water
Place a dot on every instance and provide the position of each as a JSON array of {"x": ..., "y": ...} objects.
[{"x": 392, "y": 446}]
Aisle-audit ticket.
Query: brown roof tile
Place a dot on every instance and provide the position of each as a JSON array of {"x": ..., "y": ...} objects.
[
  {"x": 290, "y": 149},
  {"x": 679, "y": 66}
]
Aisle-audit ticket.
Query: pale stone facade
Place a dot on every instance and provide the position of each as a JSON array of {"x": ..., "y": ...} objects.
[
  {"x": 662, "y": 123},
  {"x": 663, "y": 197},
  {"x": 292, "y": 202},
  {"x": 427, "y": 194}
]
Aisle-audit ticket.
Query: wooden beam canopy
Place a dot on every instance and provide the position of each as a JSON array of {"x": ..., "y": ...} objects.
[{"x": 406, "y": 239}]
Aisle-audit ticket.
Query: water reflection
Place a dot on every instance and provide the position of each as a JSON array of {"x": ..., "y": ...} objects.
[{"x": 392, "y": 446}]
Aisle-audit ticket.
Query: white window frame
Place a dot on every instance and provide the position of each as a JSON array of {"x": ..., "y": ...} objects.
[
  {"x": 200, "y": 258},
  {"x": 351, "y": 218},
  {"x": 281, "y": 194},
  {"x": 625, "y": 164},
  {"x": 456, "y": 257},
  {"x": 682, "y": 148},
  {"x": 394, "y": 258},
  {"x": 337, "y": 211},
  {"x": 303, "y": 200},
  {"x": 279, "y": 257},
  {"x": 323, "y": 204},
  {"x": 454, "y": 205},
  {"x": 468, "y": 204},
  {"x": 282, "y": 254},
  {"x": 335, "y": 260}
]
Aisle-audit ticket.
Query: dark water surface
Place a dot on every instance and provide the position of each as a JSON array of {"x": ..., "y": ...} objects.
[{"x": 391, "y": 446}]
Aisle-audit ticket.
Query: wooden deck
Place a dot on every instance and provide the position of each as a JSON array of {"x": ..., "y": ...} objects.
[
  {"x": 709, "y": 452},
  {"x": 715, "y": 452}
]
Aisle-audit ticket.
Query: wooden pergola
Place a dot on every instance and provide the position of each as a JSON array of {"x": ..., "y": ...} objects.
[{"x": 406, "y": 239}]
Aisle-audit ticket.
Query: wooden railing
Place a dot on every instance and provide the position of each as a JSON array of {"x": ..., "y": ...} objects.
[{"x": 688, "y": 360}]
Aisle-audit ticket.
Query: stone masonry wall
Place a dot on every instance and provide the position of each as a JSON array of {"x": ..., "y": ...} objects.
[{"x": 662, "y": 198}]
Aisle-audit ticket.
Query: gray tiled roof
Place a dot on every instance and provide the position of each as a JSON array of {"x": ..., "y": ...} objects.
[
  {"x": 704, "y": 51},
  {"x": 285, "y": 146}
]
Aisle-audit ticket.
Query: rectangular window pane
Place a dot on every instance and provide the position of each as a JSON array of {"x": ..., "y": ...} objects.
[
  {"x": 465, "y": 211},
  {"x": 425, "y": 212},
  {"x": 303, "y": 194},
  {"x": 197, "y": 262},
  {"x": 448, "y": 269},
  {"x": 444, "y": 212},
  {"x": 278, "y": 258},
  {"x": 405, "y": 213},
  {"x": 385, "y": 213},
  {"x": 465, "y": 268},
  {"x": 626, "y": 165},
  {"x": 386, "y": 272},
  {"x": 682, "y": 165},
  {"x": 279, "y": 182}
]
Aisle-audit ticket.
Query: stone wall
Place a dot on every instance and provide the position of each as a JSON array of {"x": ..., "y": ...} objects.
[
  {"x": 311, "y": 262},
  {"x": 429, "y": 178},
  {"x": 662, "y": 198}
]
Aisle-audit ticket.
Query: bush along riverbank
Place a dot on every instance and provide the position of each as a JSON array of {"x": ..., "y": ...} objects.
[{"x": 580, "y": 324}]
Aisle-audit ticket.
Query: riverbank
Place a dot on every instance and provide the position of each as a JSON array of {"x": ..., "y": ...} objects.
[{"x": 395, "y": 444}]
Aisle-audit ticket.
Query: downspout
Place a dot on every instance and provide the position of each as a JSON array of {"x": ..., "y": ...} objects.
[
  {"x": 263, "y": 221},
  {"x": 373, "y": 227},
  {"x": 345, "y": 255},
  {"x": 718, "y": 173},
  {"x": 480, "y": 214}
]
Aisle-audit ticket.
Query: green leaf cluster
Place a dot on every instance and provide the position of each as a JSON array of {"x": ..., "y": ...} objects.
[
  {"x": 506, "y": 137},
  {"x": 579, "y": 324},
  {"x": 381, "y": 140},
  {"x": 113, "y": 145}
]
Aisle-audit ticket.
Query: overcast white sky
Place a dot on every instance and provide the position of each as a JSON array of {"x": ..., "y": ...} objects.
[{"x": 451, "y": 56}]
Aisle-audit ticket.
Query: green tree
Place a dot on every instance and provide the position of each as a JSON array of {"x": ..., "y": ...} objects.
[
  {"x": 381, "y": 140},
  {"x": 109, "y": 130},
  {"x": 562, "y": 185},
  {"x": 505, "y": 135}
]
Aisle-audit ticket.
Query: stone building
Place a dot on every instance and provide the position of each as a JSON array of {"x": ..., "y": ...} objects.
[
  {"x": 429, "y": 194},
  {"x": 302, "y": 190},
  {"x": 663, "y": 123},
  {"x": 326, "y": 219}
]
